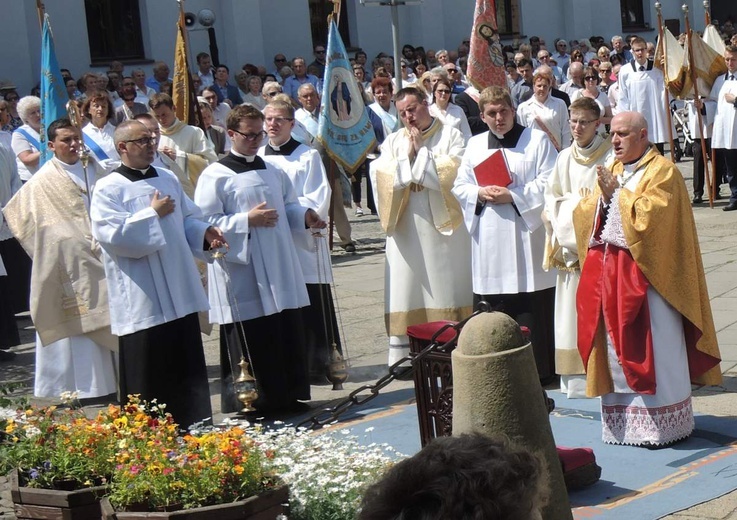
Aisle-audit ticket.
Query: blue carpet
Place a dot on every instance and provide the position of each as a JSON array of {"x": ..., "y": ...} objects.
[{"x": 635, "y": 483}]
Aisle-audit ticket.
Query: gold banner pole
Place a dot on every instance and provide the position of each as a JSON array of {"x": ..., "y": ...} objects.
[{"x": 667, "y": 94}]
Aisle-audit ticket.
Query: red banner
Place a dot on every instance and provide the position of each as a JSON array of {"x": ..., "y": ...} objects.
[{"x": 486, "y": 58}]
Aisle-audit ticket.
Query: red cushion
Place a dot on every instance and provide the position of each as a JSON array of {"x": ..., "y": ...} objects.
[{"x": 425, "y": 331}]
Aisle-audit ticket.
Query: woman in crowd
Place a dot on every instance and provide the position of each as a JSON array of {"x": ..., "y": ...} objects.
[
  {"x": 98, "y": 133},
  {"x": 26, "y": 141},
  {"x": 448, "y": 112},
  {"x": 591, "y": 90},
  {"x": 12, "y": 98},
  {"x": 605, "y": 76},
  {"x": 360, "y": 74},
  {"x": 5, "y": 136},
  {"x": 252, "y": 92},
  {"x": 546, "y": 113},
  {"x": 603, "y": 54},
  {"x": 585, "y": 47}
]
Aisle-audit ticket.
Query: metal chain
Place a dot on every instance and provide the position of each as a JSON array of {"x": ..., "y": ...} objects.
[{"x": 356, "y": 397}]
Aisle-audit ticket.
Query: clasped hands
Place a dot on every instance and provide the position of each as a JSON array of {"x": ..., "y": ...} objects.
[
  {"x": 495, "y": 195},
  {"x": 608, "y": 183}
]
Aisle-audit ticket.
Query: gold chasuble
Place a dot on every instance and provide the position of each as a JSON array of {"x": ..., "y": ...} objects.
[{"x": 660, "y": 231}]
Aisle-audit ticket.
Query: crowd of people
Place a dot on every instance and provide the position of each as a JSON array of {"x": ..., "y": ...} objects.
[{"x": 534, "y": 196}]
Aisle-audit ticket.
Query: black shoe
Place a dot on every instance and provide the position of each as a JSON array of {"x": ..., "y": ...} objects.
[
  {"x": 349, "y": 248},
  {"x": 730, "y": 207},
  {"x": 697, "y": 200}
]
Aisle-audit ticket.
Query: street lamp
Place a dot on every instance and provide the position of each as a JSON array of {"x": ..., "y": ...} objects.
[{"x": 395, "y": 30}]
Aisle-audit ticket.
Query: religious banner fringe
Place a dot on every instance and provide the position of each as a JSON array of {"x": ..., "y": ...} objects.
[
  {"x": 707, "y": 63},
  {"x": 669, "y": 56}
]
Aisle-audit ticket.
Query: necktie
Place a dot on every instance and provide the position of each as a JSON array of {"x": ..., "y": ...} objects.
[
  {"x": 642, "y": 68},
  {"x": 731, "y": 77}
]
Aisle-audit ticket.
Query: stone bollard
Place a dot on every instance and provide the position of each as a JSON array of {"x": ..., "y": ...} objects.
[{"x": 496, "y": 391}]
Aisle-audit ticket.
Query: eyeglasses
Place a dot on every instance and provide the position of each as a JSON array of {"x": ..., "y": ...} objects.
[
  {"x": 320, "y": 51},
  {"x": 280, "y": 59},
  {"x": 442, "y": 91},
  {"x": 273, "y": 93},
  {"x": 605, "y": 70},
  {"x": 581, "y": 122},
  {"x": 143, "y": 141},
  {"x": 12, "y": 99},
  {"x": 591, "y": 78},
  {"x": 543, "y": 56},
  {"x": 277, "y": 120},
  {"x": 251, "y": 137},
  {"x": 451, "y": 70},
  {"x": 129, "y": 84}
]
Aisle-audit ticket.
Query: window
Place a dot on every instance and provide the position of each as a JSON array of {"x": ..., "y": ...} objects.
[
  {"x": 633, "y": 16},
  {"x": 114, "y": 30},
  {"x": 319, "y": 11},
  {"x": 507, "y": 16}
]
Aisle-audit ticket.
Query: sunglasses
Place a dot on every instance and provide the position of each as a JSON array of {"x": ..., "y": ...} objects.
[
  {"x": 452, "y": 70},
  {"x": 591, "y": 78},
  {"x": 12, "y": 99},
  {"x": 442, "y": 91},
  {"x": 280, "y": 59},
  {"x": 273, "y": 93}
]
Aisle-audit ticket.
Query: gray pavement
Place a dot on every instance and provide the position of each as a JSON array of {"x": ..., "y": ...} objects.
[{"x": 359, "y": 289}]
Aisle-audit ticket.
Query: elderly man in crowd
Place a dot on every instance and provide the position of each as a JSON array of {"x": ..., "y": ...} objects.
[
  {"x": 293, "y": 83},
  {"x": 644, "y": 339}
]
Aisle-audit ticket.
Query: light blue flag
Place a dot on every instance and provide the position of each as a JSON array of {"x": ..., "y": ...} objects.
[
  {"x": 54, "y": 95},
  {"x": 345, "y": 130}
]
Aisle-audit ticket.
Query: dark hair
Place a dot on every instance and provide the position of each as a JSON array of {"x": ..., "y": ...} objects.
[
  {"x": 442, "y": 81},
  {"x": 222, "y": 66},
  {"x": 98, "y": 95},
  {"x": 57, "y": 125},
  {"x": 465, "y": 477},
  {"x": 241, "y": 112},
  {"x": 586, "y": 103},
  {"x": 201, "y": 56},
  {"x": 160, "y": 99},
  {"x": 523, "y": 62},
  {"x": 410, "y": 91}
]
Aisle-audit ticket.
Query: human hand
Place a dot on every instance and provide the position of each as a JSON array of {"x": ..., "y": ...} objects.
[
  {"x": 260, "y": 216},
  {"x": 607, "y": 182},
  {"x": 214, "y": 236},
  {"x": 499, "y": 195},
  {"x": 171, "y": 153},
  {"x": 163, "y": 206},
  {"x": 729, "y": 97},
  {"x": 313, "y": 220}
]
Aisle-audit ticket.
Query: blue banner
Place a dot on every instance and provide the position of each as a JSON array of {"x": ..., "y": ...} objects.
[
  {"x": 345, "y": 130},
  {"x": 54, "y": 95}
]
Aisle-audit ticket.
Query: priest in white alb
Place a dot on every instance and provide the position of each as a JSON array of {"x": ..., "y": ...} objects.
[
  {"x": 257, "y": 290},
  {"x": 150, "y": 231},
  {"x": 428, "y": 250},
  {"x": 505, "y": 223},
  {"x": 573, "y": 177},
  {"x": 69, "y": 297}
]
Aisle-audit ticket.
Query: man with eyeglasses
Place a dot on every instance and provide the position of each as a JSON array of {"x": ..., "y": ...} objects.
[
  {"x": 428, "y": 266},
  {"x": 511, "y": 278},
  {"x": 150, "y": 233},
  {"x": 280, "y": 61},
  {"x": 69, "y": 304},
  {"x": 219, "y": 110},
  {"x": 573, "y": 177},
  {"x": 128, "y": 105},
  {"x": 183, "y": 143},
  {"x": 455, "y": 75},
  {"x": 305, "y": 170},
  {"x": 561, "y": 55},
  {"x": 258, "y": 288},
  {"x": 642, "y": 90},
  {"x": 543, "y": 57},
  {"x": 319, "y": 63}
]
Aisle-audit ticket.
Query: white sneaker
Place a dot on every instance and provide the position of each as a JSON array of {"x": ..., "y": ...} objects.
[{"x": 359, "y": 212}]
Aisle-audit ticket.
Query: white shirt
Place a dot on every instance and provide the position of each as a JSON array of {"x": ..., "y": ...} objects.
[
  {"x": 103, "y": 137},
  {"x": 20, "y": 143},
  {"x": 453, "y": 116}
]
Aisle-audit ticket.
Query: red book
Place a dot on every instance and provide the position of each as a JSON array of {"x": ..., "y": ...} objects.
[{"x": 494, "y": 171}]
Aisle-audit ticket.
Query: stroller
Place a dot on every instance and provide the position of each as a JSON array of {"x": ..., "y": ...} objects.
[{"x": 682, "y": 133}]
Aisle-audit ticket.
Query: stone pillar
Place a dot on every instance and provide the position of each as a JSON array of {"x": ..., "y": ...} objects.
[{"x": 496, "y": 391}]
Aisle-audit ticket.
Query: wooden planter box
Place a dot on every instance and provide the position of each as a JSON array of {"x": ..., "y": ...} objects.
[
  {"x": 51, "y": 504},
  {"x": 265, "y": 506}
]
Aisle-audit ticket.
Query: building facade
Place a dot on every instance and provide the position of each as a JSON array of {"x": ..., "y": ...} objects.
[{"x": 91, "y": 33}]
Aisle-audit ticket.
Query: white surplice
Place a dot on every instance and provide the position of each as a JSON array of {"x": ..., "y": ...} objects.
[
  {"x": 453, "y": 116},
  {"x": 306, "y": 172},
  {"x": 568, "y": 182},
  {"x": 508, "y": 240},
  {"x": 724, "y": 132},
  {"x": 264, "y": 276},
  {"x": 151, "y": 273},
  {"x": 644, "y": 92}
]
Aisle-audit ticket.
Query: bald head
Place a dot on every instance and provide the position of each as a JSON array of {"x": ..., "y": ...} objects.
[
  {"x": 629, "y": 136},
  {"x": 126, "y": 129}
]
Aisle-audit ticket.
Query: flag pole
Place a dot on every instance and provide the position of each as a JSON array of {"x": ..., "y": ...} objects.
[
  {"x": 41, "y": 9},
  {"x": 692, "y": 73},
  {"x": 334, "y": 16},
  {"x": 707, "y": 14},
  {"x": 667, "y": 95}
]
